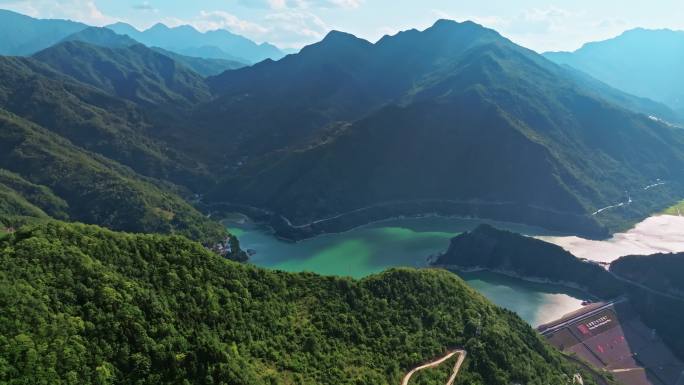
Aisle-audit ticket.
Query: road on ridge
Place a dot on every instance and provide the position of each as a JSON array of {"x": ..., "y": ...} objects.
[{"x": 437, "y": 362}]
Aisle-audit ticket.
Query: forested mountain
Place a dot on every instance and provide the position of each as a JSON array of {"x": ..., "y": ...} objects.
[
  {"x": 102, "y": 37},
  {"x": 661, "y": 272},
  {"x": 186, "y": 40},
  {"x": 91, "y": 119},
  {"x": 640, "y": 61},
  {"x": 96, "y": 189},
  {"x": 456, "y": 116},
  {"x": 652, "y": 283},
  {"x": 203, "y": 66},
  {"x": 490, "y": 248},
  {"x": 105, "y": 37},
  {"x": 71, "y": 139},
  {"x": 89, "y": 306},
  {"x": 23, "y": 35},
  {"x": 136, "y": 73},
  {"x": 553, "y": 145}
]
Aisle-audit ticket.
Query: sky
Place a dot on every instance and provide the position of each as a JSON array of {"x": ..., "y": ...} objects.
[{"x": 537, "y": 24}]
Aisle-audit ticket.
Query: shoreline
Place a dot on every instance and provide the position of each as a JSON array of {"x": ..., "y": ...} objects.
[
  {"x": 553, "y": 222},
  {"x": 513, "y": 274}
]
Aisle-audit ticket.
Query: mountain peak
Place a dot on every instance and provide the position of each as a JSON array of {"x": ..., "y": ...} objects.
[
  {"x": 335, "y": 35},
  {"x": 336, "y": 42},
  {"x": 446, "y": 25},
  {"x": 158, "y": 26}
]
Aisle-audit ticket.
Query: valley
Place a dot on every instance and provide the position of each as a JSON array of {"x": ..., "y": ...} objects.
[{"x": 194, "y": 198}]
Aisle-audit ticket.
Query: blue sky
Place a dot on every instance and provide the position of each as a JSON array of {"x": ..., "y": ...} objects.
[{"x": 540, "y": 25}]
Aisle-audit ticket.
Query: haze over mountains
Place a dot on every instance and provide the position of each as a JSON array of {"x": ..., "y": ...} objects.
[
  {"x": 350, "y": 126},
  {"x": 643, "y": 62},
  {"x": 395, "y": 125},
  {"x": 25, "y": 35}
]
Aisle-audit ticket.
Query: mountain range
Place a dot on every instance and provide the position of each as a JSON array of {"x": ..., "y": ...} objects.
[
  {"x": 218, "y": 44},
  {"x": 24, "y": 36},
  {"x": 640, "y": 61},
  {"x": 123, "y": 130},
  {"x": 454, "y": 119}
]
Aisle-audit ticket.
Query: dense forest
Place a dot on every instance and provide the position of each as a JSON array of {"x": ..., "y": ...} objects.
[
  {"x": 491, "y": 248},
  {"x": 662, "y": 273},
  {"x": 85, "y": 305}
]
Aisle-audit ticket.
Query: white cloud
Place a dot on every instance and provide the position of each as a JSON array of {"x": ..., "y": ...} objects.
[
  {"x": 145, "y": 6},
  {"x": 211, "y": 20},
  {"x": 85, "y": 11},
  {"x": 301, "y": 4},
  {"x": 287, "y": 28}
]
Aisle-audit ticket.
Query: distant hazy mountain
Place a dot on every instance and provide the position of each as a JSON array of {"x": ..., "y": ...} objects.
[
  {"x": 201, "y": 65},
  {"x": 219, "y": 44},
  {"x": 22, "y": 35},
  {"x": 454, "y": 119},
  {"x": 643, "y": 62}
]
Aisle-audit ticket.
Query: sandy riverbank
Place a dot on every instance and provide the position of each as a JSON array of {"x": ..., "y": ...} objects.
[{"x": 657, "y": 234}]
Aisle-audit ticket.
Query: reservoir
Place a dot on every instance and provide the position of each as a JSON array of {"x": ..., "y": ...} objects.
[{"x": 403, "y": 242}]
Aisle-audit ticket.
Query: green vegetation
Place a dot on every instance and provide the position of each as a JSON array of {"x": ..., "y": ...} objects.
[
  {"x": 97, "y": 190},
  {"x": 435, "y": 376},
  {"x": 429, "y": 129},
  {"x": 84, "y": 305},
  {"x": 41, "y": 197},
  {"x": 663, "y": 273},
  {"x": 490, "y": 248},
  {"x": 677, "y": 209},
  {"x": 133, "y": 72},
  {"x": 494, "y": 249}
]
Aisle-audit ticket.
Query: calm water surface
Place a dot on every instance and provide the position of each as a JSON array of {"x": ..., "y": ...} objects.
[{"x": 402, "y": 242}]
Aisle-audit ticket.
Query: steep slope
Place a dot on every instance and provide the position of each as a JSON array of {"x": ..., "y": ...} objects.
[
  {"x": 150, "y": 309},
  {"x": 42, "y": 198},
  {"x": 468, "y": 124},
  {"x": 489, "y": 248},
  {"x": 185, "y": 39},
  {"x": 203, "y": 66},
  {"x": 105, "y": 37},
  {"x": 136, "y": 73},
  {"x": 642, "y": 62},
  {"x": 23, "y": 35},
  {"x": 92, "y": 119},
  {"x": 97, "y": 190}
]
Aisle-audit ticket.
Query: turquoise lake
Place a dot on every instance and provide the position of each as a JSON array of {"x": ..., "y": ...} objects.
[{"x": 402, "y": 242}]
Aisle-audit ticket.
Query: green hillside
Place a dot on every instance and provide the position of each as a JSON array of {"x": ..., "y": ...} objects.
[
  {"x": 86, "y": 305},
  {"x": 467, "y": 124},
  {"x": 96, "y": 189},
  {"x": 39, "y": 196},
  {"x": 134, "y": 72},
  {"x": 92, "y": 119}
]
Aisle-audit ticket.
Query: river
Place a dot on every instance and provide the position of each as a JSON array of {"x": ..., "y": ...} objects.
[{"x": 402, "y": 242}]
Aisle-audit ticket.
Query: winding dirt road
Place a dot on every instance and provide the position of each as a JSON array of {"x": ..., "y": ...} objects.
[{"x": 437, "y": 362}]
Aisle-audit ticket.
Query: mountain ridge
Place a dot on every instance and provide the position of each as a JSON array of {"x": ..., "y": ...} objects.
[{"x": 582, "y": 137}]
